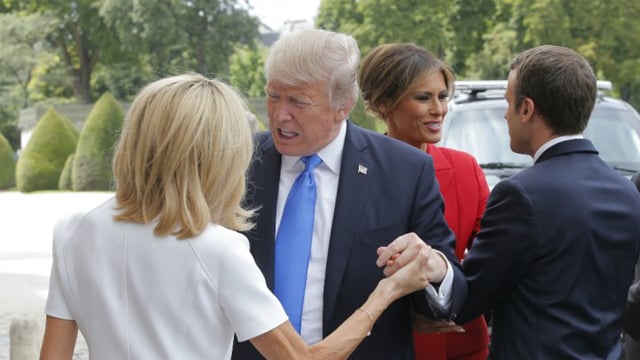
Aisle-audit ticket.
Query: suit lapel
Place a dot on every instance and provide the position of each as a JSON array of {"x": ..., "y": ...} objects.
[
  {"x": 265, "y": 166},
  {"x": 355, "y": 170}
]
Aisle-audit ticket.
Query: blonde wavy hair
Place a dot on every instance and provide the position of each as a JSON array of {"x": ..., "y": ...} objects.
[{"x": 182, "y": 157}]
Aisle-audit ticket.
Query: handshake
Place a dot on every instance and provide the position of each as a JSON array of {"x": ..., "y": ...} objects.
[{"x": 411, "y": 263}]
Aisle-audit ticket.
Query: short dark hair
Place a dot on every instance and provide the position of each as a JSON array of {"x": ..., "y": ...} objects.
[{"x": 561, "y": 84}]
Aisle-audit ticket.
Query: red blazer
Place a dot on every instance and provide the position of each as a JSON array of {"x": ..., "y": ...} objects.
[{"x": 465, "y": 192}]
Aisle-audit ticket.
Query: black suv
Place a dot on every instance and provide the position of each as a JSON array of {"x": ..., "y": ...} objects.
[{"x": 475, "y": 123}]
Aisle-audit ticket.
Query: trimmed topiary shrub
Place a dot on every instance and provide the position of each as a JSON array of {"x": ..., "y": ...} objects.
[
  {"x": 65, "y": 176},
  {"x": 93, "y": 158},
  {"x": 7, "y": 165},
  {"x": 42, "y": 159},
  {"x": 68, "y": 125}
]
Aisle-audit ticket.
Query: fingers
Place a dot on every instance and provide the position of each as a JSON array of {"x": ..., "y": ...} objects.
[
  {"x": 427, "y": 325},
  {"x": 419, "y": 257},
  {"x": 445, "y": 327},
  {"x": 404, "y": 247}
]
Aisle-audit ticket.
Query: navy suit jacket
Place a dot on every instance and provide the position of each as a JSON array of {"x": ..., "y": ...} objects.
[
  {"x": 398, "y": 194},
  {"x": 555, "y": 257},
  {"x": 632, "y": 316}
]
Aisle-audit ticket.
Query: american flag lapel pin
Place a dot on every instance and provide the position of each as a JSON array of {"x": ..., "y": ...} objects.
[{"x": 362, "y": 170}]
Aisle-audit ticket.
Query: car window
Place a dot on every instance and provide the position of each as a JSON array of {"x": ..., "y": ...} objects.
[
  {"x": 615, "y": 134},
  {"x": 484, "y": 134}
]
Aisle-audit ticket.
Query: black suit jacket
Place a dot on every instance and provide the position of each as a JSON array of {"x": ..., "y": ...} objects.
[
  {"x": 555, "y": 257},
  {"x": 398, "y": 194}
]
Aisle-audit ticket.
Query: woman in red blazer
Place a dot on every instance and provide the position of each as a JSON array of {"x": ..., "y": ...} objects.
[{"x": 409, "y": 88}]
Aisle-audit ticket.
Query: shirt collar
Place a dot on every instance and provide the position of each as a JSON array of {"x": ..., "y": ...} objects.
[{"x": 552, "y": 142}]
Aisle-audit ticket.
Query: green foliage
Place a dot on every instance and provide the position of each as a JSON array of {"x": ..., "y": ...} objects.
[
  {"x": 468, "y": 30},
  {"x": 118, "y": 45},
  {"x": 64, "y": 183},
  {"x": 9, "y": 129},
  {"x": 492, "y": 62},
  {"x": 339, "y": 15},
  {"x": 7, "y": 165},
  {"x": 374, "y": 22},
  {"x": 121, "y": 80},
  {"x": 22, "y": 47},
  {"x": 42, "y": 159},
  {"x": 82, "y": 39},
  {"x": 604, "y": 32},
  {"x": 196, "y": 35},
  {"x": 93, "y": 156},
  {"x": 360, "y": 116},
  {"x": 247, "y": 70}
]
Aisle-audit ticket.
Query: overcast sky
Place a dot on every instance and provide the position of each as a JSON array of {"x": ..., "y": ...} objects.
[{"x": 275, "y": 12}]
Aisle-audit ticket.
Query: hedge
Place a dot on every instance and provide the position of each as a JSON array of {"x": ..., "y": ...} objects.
[
  {"x": 42, "y": 159},
  {"x": 7, "y": 165},
  {"x": 64, "y": 183},
  {"x": 94, "y": 155}
]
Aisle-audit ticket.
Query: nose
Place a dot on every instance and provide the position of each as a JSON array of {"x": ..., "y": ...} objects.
[
  {"x": 437, "y": 107},
  {"x": 278, "y": 110}
]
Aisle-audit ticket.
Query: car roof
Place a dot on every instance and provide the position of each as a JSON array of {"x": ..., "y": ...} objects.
[{"x": 485, "y": 94}]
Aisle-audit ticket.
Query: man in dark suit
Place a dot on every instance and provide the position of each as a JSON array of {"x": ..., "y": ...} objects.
[
  {"x": 366, "y": 198},
  {"x": 559, "y": 240}
]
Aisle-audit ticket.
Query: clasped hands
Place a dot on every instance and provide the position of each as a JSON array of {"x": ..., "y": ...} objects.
[{"x": 409, "y": 259}]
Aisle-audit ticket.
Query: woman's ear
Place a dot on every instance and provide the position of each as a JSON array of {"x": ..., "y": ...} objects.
[{"x": 384, "y": 110}]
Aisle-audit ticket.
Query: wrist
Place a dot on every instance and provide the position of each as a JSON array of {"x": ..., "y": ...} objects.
[
  {"x": 437, "y": 279},
  {"x": 386, "y": 292}
]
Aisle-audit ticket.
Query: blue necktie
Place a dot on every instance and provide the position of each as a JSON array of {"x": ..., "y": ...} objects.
[{"x": 293, "y": 242}]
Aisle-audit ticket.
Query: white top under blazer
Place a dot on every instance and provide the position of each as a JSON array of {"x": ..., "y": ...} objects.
[{"x": 138, "y": 296}]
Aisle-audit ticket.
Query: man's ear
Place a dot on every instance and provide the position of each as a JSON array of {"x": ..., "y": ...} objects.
[
  {"x": 527, "y": 109},
  {"x": 345, "y": 109}
]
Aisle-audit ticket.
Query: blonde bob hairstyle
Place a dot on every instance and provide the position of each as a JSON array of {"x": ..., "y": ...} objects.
[{"x": 182, "y": 157}]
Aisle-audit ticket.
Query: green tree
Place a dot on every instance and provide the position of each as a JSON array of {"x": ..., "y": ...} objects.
[
  {"x": 468, "y": 29},
  {"x": 82, "y": 38},
  {"x": 94, "y": 154},
  {"x": 9, "y": 122},
  {"x": 359, "y": 115},
  {"x": 374, "y": 22},
  {"x": 339, "y": 15},
  {"x": 42, "y": 159},
  {"x": 604, "y": 32},
  {"x": 7, "y": 165},
  {"x": 492, "y": 61},
  {"x": 195, "y": 35},
  {"x": 247, "y": 70},
  {"x": 22, "y": 47}
]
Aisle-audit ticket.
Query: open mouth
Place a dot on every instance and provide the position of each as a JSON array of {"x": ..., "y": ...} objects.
[
  {"x": 287, "y": 134},
  {"x": 433, "y": 126}
]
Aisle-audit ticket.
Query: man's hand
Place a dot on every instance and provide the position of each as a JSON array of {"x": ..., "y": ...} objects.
[
  {"x": 409, "y": 248},
  {"x": 426, "y": 325}
]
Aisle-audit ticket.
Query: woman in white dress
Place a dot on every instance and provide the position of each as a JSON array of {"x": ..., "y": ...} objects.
[{"x": 160, "y": 271}]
